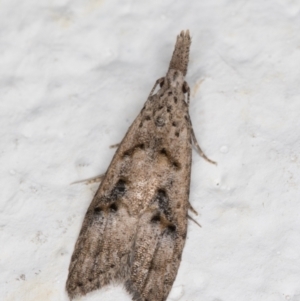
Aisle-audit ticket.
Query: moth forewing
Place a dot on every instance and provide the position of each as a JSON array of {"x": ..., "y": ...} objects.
[{"x": 135, "y": 228}]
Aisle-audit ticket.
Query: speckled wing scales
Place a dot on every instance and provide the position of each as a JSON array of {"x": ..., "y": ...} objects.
[
  {"x": 162, "y": 225},
  {"x": 135, "y": 228},
  {"x": 103, "y": 245}
]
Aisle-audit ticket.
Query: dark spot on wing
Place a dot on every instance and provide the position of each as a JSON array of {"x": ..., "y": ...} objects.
[
  {"x": 155, "y": 218},
  {"x": 163, "y": 201},
  {"x": 120, "y": 186},
  {"x": 163, "y": 151},
  {"x": 176, "y": 165},
  {"x": 118, "y": 190},
  {"x": 173, "y": 163},
  {"x": 97, "y": 210},
  {"x": 161, "y": 193},
  {"x": 131, "y": 151},
  {"x": 127, "y": 153},
  {"x": 171, "y": 228},
  {"x": 113, "y": 207}
]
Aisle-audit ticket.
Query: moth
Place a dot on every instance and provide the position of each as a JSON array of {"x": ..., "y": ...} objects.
[{"x": 135, "y": 228}]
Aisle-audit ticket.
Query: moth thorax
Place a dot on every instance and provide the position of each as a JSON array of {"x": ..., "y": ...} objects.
[{"x": 175, "y": 78}]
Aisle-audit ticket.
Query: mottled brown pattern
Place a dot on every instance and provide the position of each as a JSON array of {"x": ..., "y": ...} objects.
[{"x": 135, "y": 228}]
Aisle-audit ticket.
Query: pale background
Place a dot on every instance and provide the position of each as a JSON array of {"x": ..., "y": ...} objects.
[{"x": 74, "y": 75}]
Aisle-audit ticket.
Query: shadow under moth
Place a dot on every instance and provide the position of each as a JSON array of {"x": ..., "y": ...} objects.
[{"x": 135, "y": 228}]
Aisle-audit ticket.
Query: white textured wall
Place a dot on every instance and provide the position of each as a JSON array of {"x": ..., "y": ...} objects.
[{"x": 74, "y": 75}]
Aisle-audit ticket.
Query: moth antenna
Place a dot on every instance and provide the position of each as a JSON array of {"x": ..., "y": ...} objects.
[{"x": 180, "y": 58}]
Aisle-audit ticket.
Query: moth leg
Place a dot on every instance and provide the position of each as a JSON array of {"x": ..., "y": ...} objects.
[
  {"x": 91, "y": 180},
  {"x": 114, "y": 145},
  {"x": 194, "y": 221},
  {"x": 160, "y": 82},
  {"x": 186, "y": 89},
  {"x": 201, "y": 153},
  {"x": 192, "y": 209}
]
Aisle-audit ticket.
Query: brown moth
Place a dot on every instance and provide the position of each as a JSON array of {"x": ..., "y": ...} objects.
[{"x": 135, "y": 228}]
